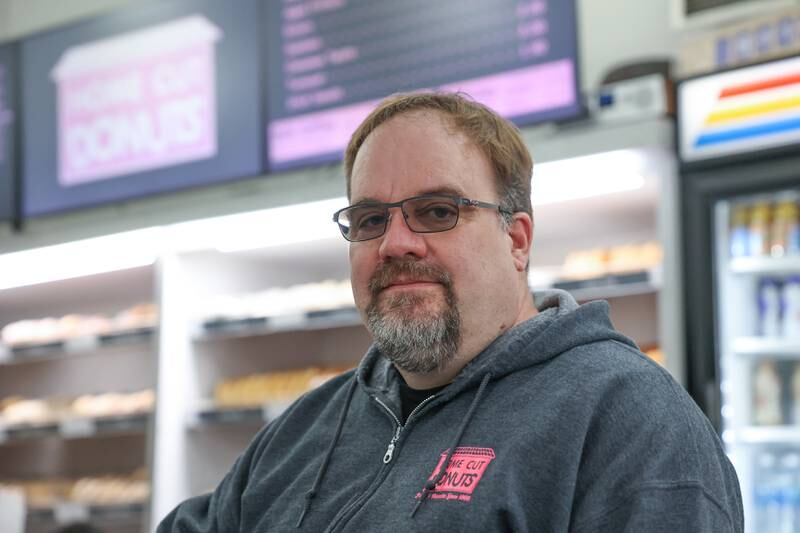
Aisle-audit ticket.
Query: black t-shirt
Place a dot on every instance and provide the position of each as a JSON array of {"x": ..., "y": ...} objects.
[{"x": 411, "y": 398}]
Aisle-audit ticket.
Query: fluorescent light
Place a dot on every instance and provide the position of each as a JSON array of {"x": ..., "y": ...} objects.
[
  {"x": 587, "y": 176},
  {"x": 80, "y": 258}
]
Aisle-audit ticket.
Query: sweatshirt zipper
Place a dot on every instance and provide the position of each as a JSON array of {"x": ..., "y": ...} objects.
[{"x": 387, "y": 458}]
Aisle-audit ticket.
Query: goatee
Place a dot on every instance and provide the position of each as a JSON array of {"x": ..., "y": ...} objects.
[{"x": 411, "y": 336}]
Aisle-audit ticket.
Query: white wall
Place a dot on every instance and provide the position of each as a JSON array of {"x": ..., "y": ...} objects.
[{"x": 616, "y": 31}]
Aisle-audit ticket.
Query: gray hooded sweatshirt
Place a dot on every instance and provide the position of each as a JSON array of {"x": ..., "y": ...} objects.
[{"x": 560, "y": 424}]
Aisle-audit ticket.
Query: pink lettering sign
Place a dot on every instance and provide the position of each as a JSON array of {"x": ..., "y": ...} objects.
[
  {"x": 138, "y": 101},
  {"x": 462, "y": 474},
  {"x": 526, "y": 90}
]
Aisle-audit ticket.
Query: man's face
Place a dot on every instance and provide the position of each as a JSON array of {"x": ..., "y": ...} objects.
[{"x": 428, "y": 297}]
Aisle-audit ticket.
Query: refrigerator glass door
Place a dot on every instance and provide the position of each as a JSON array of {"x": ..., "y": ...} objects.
[{"x": 757, "y": 276}]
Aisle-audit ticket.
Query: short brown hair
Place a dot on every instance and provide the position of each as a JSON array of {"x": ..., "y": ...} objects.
[{"x": 498, "y": 138}]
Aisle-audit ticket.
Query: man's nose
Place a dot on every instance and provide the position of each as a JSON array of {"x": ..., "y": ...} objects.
[{"x": 399, "y": 241}]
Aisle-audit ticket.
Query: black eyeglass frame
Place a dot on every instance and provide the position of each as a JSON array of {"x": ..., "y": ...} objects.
[{"x": 459, "y": 200}]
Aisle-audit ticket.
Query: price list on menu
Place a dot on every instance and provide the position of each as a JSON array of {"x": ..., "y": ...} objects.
[{"x": 330, "y": 61}]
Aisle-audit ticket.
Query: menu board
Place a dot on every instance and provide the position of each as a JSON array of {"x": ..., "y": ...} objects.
[
  {"x": 740, "y": 111},
  {"x": 331, "y": 61},
  {"x": 153, "y": 98},
  {"x": 8, "y": 117}
]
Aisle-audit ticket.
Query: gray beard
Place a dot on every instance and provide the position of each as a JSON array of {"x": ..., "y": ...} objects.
[{"x": 414, "y": 341}]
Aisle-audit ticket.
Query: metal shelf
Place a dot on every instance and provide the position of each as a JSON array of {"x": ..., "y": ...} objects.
[
  {"x": 106, "y": 515},
  {"x": 765, "y": 265},
  {"x": 612, "y": 285},
  {"x": 213, "y": 416},
  {"x": 75, "y": 428},
  {"x": 763, "y": 346},
  {"x": 766, "y": 435},
  {"x": 221, "y": 328},
  {"x": 73, "y": 347}
]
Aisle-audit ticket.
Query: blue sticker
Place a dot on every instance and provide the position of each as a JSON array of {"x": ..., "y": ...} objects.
[
  {"x": 764, "y": 39},
  {"x": 723, "y": 52},
  {"x": 744, "y": 45},
  {"x": 785, "y": 32}
]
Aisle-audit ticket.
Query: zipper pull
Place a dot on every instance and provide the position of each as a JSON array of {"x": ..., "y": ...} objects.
[{"x": 387, "y": 457}]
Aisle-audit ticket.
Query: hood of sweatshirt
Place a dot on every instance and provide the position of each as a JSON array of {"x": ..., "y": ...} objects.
[{"x": 561, "y": 325}]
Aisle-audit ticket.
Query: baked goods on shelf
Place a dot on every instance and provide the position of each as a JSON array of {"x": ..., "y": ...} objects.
[
  {"x": 656, "y": 355},
  {"x": 110, "y": 490},
  {"x": 16, "y": 410},
  {"x": 271, "y": 387},
  {"x": 50, "y": 330},
  {"x": 278, "y": 301},
  {"x": 92, "y": 491},
  {"x": 584, "y": 264},
  {"x": 114, "y": 404}
]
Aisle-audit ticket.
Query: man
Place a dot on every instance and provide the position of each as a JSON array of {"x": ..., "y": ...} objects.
[{"x": 474, "y": 410}]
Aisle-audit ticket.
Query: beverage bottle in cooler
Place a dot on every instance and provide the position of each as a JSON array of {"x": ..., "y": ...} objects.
[
  {"x": 759, "y": 229},
  {"x": 796, "y": 394},
  {"x": 769, "y": 308},
  {"x": 767, "y": 395},
  {"x": 789, "y": 477},
  {"x": 740, "y": 231},
  {"x": 784, "y": 226},
  {"x": 793, "y": 246},
  {"x": 767, "y": 494},
  {"x": 790, "y": 300}
]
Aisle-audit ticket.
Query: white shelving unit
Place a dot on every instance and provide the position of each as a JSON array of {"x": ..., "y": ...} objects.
[
  {"x": 204, "y": 437},
  {"x": 765, "y": 265},
  {"x": 764, "y": 347},
  {"x": 612, "y": 286},
  {"x": 779, "y": 435},
  {"x": 68, "y": 447}
]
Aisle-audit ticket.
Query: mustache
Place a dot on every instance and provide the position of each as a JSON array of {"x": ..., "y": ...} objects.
[{"x": 388, "y": 272}]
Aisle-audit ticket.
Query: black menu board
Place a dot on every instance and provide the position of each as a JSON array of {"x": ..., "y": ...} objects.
[
  {"x": 330, "y": 61},
  {"x": 155, "y": 97}
]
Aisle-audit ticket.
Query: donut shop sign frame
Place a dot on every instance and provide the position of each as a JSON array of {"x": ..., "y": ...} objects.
[{"x": 137, "y": 101}]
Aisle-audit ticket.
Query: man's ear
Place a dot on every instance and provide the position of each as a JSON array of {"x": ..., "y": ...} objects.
[{"x": 521, "y": 232}]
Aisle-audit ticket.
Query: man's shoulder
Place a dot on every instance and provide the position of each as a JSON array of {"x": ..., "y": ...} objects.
[
  {"x": 610, "y": 377},
  {"x": 612, "y": 361}
]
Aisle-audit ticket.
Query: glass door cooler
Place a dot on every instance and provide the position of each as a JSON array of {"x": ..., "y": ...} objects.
[{"x": 739, "y": 147}]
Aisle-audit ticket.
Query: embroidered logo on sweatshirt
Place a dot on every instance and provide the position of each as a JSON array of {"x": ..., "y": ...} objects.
[{"x": 463, "y": 473}]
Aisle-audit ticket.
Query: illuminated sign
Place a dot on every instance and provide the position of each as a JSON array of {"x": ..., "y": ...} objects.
[
  {"x": 152, "y": 98},
  {"x": 745, "y": 110},
  {"x": 331, "y": 61},
  {"x": 141, "y": 100}
]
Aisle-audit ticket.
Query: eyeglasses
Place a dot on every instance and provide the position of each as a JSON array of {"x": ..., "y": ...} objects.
[{"x": 429, "y": 213}]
